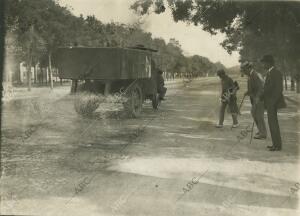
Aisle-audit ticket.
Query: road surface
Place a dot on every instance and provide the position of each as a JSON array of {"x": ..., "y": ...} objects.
[{"x": 172, "y": 161}]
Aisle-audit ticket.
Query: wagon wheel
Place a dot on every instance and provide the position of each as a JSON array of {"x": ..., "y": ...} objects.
[{"x": 135, "y": 101}]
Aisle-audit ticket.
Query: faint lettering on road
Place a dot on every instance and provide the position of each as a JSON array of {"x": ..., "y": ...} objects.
[
  {"x": 29, "y": 132},
  {"x": 190, "y": 185},
  {"x": 117, "y": 205},
  {"x": 82, "y": 184},
  {"x": 295, "y": 188},
  {"x": 243, "y": 133}
]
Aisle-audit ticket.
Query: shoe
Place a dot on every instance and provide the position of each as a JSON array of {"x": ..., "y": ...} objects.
[
  {"x": 235, "y": 125},
  {"x": 258, "y": 136},
  {"x": 269, "y": 147},
  {"x": 219, "y": 126},
  {"x": 275, "y": 149}
]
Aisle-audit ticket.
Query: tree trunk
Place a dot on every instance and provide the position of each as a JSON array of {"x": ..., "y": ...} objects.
[
  {"x": 29, "y": 73},
  {"x": 42, "y": 74},
  {"x": 19, "y": 74},
  {"x": 35, "y": 73},
  {"x": 29, "y": 60},
  {"x": 285, "y": 81},
  {"x": 50, "y": 71},
  {"x": 298, "y": 86},
  {"x": 47, "y": 75},
  {"x": 284, "y": 74}
]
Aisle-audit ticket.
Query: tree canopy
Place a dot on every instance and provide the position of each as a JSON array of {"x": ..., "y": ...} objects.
[
  {"x": 35, "y": 28},
  {"x": 253, "y": 28}
]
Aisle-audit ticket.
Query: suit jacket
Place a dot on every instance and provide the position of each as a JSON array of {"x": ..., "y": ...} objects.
[
  {"x": 227, "y": 83},
  {"x": 273, "y": 89},
  {"x": 255, "y": 86}
]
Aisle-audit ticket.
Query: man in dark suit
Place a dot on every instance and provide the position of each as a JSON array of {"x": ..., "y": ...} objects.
[
  {"x": 273, "y": 99},
  {"x": 228, "y": 98},
  {"x": 255, "y": 91}
]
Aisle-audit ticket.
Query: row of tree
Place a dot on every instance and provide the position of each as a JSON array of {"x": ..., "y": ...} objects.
[
  {"x": 36, "y": 28},
  {"x": 254, "y": 28}
]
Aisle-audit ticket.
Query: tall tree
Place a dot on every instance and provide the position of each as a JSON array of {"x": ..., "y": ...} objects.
[{"x": 253, "y": 28}]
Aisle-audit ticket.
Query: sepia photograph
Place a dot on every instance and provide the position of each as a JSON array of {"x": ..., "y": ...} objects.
[{"x": 150, "y": 107}]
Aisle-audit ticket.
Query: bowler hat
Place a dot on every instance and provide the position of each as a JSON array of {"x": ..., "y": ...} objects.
[{"x": 267, "y": 59}]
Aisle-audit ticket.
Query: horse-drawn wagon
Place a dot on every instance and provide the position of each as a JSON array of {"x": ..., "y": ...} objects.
[{"x": 106, "y": 71}]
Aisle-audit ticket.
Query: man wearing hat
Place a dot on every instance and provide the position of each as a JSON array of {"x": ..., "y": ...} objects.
[
  {"x": 255, "y": 91},
  {"x": 228, "y": 98},
  {"x": 273, "y": 99}
]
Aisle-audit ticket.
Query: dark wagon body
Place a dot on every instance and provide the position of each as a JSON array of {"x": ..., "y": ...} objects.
[
  {"x": 104, "y": 63},
  {"x": 110, "y": 70}
]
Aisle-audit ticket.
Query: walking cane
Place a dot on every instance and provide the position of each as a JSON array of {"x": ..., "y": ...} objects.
[
  {"x": 239, "y": 108},
  {"x": 241, "y": 104},
  {"x": 252, "y": 133}
]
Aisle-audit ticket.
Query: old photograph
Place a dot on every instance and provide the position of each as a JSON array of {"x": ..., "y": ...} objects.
[{"x": 150, "y": 107}]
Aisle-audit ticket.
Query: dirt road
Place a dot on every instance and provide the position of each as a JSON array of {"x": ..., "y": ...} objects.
[{"x": 172, "y": 161}]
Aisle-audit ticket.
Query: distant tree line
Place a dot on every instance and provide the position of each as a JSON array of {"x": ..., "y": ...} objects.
[
  {"x": 36, "y": 28},
  {"x": 254, "y": 28}
]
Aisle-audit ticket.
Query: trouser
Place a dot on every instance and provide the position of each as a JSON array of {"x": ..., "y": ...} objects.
[
  {"x": 274, "y": 125},
  {"x": 222, "y": 113},
  {"x": 257, "y": 112}
]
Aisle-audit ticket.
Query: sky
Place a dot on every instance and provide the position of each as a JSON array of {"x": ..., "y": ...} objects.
[{"x": 193, "y": 39}]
